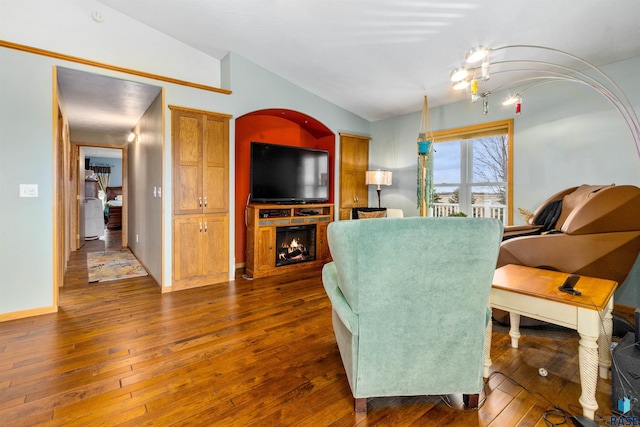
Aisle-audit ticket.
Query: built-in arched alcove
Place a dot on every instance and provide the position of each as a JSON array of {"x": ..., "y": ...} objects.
[{"x": 275, "y": 126}]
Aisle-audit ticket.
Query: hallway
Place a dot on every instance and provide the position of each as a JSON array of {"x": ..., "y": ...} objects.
[{"x": 77, "y": 275}]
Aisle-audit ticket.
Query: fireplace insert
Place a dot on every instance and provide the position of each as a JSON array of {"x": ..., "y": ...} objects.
[{"x": 295, "y": 244}]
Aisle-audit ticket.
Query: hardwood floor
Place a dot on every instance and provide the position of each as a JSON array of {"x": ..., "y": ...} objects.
[{"x": 243, "y": 353}]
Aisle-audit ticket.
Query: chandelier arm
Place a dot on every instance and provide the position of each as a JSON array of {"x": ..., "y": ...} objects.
[
  {"x": 602, "y": 90},
  {"x": 576, "y": 58},
  {"x": 544, "y": 63}
]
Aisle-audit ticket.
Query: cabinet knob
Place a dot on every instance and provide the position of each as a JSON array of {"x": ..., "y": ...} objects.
[
  {"x": 205, "y": 227},
  {"x": 201, "y": 227},
  {"x": 199, "y": 201},
  {"x": 205, "y": 202}
]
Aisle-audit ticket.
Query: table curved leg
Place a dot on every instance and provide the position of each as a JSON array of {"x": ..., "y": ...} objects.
[
  {"x": 604, "y": 341},
  {"x": 589, "y": 330}
]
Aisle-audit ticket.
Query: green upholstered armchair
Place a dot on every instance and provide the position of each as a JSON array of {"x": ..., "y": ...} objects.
[{"x": 410, "y": 300}]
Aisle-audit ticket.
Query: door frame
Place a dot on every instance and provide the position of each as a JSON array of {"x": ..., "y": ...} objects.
[{"x": 76, "y": 191}]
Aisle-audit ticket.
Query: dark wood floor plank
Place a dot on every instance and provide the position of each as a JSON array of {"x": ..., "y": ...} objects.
[{"x": 243, "y": 353}]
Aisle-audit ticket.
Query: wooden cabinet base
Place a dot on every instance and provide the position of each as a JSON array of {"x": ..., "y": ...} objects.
[
  {"x": 266, "y": 256},
  {"x": 201, "y": 251}
]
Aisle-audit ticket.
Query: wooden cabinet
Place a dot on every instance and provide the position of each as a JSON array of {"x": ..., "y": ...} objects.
[
  {"x": 200, "y": 162},
  {"x": 201, "y": 254},
  {"x": 263, "y": 223},
  {"x": 354, "y": 162},
  {"x": 200, "y": 155}
]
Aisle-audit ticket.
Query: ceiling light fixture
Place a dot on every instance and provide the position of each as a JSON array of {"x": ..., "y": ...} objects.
[
  {"x": 463, "y": 84},
  {"x": 510, "y": 100},
  {"x": 133, "y": 137},
  {"x": 459, "y": 74},
  {"x": 476, "y": 54}
]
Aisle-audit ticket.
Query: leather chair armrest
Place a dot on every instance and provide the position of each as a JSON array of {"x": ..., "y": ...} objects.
[{"x": 512, "y": 231}]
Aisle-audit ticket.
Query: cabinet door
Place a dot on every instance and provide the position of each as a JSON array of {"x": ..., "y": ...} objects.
[
  {"x": 354, "y": 161},
  {"x": 187, "y": 162},
  {"x": 215, "y": 164},
  {"x": 322, "y": 244},
  {"x": 215, "y": 248},
  {"x": 265, "y": 252},
  {"x": 187, "y": 243},
  {"x": 362, "y": 165}
]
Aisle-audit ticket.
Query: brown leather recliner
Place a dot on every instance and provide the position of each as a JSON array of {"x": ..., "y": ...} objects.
[{"x": 597, "y": 233}]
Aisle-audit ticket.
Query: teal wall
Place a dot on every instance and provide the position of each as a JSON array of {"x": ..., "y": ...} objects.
[
  {"x": 567, "y": 135},
  {"x": 26, "y": 157},
  {"x": 144, "y": 172},
  {"x": 26, "y": 153}
]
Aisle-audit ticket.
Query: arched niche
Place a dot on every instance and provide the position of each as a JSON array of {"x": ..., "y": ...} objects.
[{"x": 275, "y": 126}]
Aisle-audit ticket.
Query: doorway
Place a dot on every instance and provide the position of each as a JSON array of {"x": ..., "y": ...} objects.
[
  {"x": 101, "y": 203},
  {"x": 116, "y": 125}
]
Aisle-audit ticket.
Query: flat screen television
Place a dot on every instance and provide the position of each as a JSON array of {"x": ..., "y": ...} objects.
[{"x": 285, "y": 174}]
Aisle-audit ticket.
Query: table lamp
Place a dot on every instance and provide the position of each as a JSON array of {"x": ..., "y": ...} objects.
[{"x": 378, "y": 177}]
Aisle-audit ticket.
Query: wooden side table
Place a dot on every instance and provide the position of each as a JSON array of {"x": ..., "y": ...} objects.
[{"x": 534, "y": 293}]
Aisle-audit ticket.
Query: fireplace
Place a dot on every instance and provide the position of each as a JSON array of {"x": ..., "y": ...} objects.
[{"x": 295, "y": 244}]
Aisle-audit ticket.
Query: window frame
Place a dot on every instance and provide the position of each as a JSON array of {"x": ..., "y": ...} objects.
[{"x": 500, "y": 127}]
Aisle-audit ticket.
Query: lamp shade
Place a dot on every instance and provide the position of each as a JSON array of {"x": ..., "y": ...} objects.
[{"x": 378, "y": 177}]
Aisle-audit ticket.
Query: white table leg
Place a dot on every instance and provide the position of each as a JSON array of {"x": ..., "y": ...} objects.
[
  {"x": 604, "y": 341},
  {"x": 487, "y": 349},
  {"x": 514, "y": 332},
  {"x": 589, "y": 330}
]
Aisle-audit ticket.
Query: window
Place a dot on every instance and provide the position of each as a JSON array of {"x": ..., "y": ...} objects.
[{"x": 472, "y": 171}]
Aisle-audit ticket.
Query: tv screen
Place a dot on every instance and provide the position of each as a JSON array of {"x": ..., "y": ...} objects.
[{"x": 284, "y": 174}]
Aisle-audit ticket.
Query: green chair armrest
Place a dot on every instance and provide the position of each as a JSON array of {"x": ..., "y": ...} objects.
[{"x": 338, "y": 301}]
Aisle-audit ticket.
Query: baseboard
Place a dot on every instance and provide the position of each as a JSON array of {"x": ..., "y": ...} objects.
[{"x": 27, "y": 313}]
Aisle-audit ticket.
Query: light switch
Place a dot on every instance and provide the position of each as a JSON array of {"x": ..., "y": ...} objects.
[{"x": 28, "y": 190}]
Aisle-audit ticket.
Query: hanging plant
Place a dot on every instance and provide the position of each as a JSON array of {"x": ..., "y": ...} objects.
[{"x": 424, "y": 183}]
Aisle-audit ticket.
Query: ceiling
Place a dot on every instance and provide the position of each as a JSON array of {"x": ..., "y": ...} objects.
[
  {"x": 378, "y": 58},
  {"x": 100, "y": 104}
]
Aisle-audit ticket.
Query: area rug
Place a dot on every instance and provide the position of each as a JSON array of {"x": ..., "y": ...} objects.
[{"x": 113, "y": 265}]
